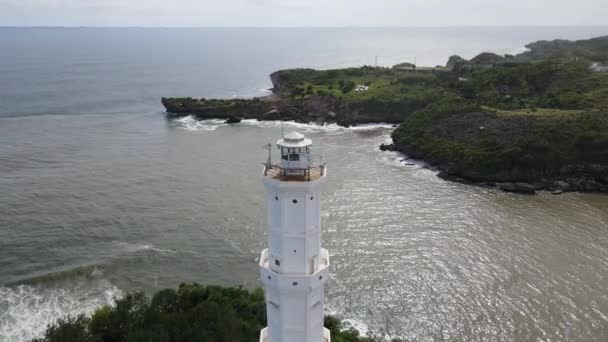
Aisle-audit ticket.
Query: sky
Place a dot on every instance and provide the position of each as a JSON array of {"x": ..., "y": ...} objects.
[{"x": 326, "y": 13}]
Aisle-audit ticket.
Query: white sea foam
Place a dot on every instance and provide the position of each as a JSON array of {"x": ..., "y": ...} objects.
[
  {"x": 192, "y": 124},
  {"x": 315, "y": 127},
  {"x": 134, "y": 247},
  {"x": 348, "y": 322},
  {"x": 357, "y": 325},
  {"x": 360, "y": 326},
  {"x": 291, "y": 124},
  {"x": 26, "y": 310}
]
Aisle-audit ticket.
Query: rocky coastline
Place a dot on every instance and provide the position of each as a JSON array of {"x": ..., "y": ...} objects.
[
  {"x": 571, "y": 178},
  {"x": 535, "y": 121},
  {"x": 314, "y": 109}
]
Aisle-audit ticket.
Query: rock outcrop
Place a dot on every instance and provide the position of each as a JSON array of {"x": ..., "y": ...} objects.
[
  {"x": 455, "y": 61},
  {"x": 518, "y": 187},
  {"x": 233, "y": 120},
  {"x": 316, "y": 109}
]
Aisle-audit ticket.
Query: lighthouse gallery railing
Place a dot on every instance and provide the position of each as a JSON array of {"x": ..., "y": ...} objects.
[{"x": 314, "y": 170}]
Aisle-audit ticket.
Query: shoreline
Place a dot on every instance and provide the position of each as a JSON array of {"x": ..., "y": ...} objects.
[
  {"x": 526, "y": 122},
  {"x": 556, "y": 185}
]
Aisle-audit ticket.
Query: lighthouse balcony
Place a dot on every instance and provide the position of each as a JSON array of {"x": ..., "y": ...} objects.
[
  {"x": 302, "y": 173},
  {"x": 323, "y": 263},
  {"x": 317, "y": 277}
]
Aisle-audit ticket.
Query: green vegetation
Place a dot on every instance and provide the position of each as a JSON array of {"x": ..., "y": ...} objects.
[
  {"x": 388, "y": 94},
  {"x": 544, "y": 84},
  {"x": 595, "y": 49},
  {"x": 192, "y": 313},
  {"x": 392, "y": 95},
  {"x": 538, "y": 114},
  {"x": 505, "y": 146}
]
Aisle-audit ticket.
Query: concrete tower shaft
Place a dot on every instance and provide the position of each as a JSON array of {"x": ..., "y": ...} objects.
[{"x": 294, "y": 268}]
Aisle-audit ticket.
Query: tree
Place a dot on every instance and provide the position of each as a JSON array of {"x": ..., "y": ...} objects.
[{"x": 192, "y": 313}]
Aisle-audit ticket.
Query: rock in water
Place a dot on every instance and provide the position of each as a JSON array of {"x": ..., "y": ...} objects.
[
  {"x": 387, "y": 147},
  {"x": 272, "y": 115},
  {"x": 560, "y": 185},
  {"x": 233, "y": 120},
  {"x": 519, "y": 187}
]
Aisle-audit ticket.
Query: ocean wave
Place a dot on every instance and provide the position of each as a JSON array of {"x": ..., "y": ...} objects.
[
  {"x": 192, "y": 124},
  {"x": 348, "y": 322},
  {"x": 26, "y": 310},
  {"x": 305, "y": 127},
  {"x": 357, "y": 325},
  {"x": 362, "y": 327},
  {"x": 59, "y": 275},
  {"x": 316, "y": 127},
  {"x": 134, "y": 247},
  {"x": 88, "y": 271}
]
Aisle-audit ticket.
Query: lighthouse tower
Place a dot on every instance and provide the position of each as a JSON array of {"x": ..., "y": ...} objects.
[{"x": 294, "y": 268}]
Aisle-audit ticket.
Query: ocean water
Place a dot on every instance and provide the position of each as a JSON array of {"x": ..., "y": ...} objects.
[{"x": 101, "y": 194}]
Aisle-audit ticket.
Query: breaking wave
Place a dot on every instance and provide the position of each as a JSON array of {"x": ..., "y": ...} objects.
[
  {"x": 133, "y": 248},
  {"x": 308, "y": 127},
  {"x": 349, "y": 323},
  {"x": 26, "y": 310},
  {"x": 363, "y": 329},
  {"x": 192, "y": 124}
]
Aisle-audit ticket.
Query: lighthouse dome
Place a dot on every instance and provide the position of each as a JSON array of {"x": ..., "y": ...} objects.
[{"x": 294, "y": 140}]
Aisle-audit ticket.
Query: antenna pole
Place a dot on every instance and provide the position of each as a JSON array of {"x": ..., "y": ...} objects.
[
  {"x": 282, "y": 124},
  {"x": 269, "y": 155}
]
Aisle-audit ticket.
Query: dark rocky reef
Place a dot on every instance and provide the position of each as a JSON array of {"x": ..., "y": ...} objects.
[
  {"x": 233, "y": 120},
  {"x": 315, "y": 109}
]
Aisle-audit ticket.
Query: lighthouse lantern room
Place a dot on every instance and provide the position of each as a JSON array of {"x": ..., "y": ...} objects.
[{"x": 294, "y": 268}]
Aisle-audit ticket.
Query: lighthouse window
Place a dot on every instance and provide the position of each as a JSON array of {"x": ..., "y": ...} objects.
[
  {"x": 269, "y": 277},
  {"x": 276, "y": 198},
  {"x": 290, "y": 154},
  {"x": 320, "y": 277},
  {"x": 295, "y": 283},
  {"x": 295, "y": 201},
  {"x": 294, "y": 251},
  {"x": 277, "y": 262},
  {"x": 311, "y": 198}
]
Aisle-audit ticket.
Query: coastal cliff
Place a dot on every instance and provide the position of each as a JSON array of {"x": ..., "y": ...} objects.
[
  {"x": 317, "y": 109},
  {"x": 537, "y": 120},
  {"x": 518, "y": 153}
]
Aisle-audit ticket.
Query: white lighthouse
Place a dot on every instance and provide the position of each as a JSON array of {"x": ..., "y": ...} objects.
[{"x": 294, "y": 268}]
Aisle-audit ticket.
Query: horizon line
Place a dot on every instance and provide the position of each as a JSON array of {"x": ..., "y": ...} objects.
[{"x": 291, "y": 27}]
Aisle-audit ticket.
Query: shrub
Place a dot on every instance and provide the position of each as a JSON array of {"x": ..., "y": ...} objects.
[
  {"x": 347, "y": 86},
  {"x": 192, "y": 313}
]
